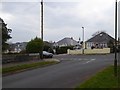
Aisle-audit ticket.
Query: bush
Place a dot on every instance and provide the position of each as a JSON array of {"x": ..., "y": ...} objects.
[
  {"x": 23, "y": 52},
  {"x": 119, "y": 48},
  {"x": 111, "y": 46},
  {"x": 48, "y": 47},
  {"x": 34, "y": 46},
  {"x": 62, "y": 50}
]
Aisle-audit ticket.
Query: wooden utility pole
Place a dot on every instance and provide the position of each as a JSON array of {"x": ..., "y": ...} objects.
[
  {"x": 83, "y": 41},
  {"x": 41, "y": 54},
  {"x": 115, "y": 61},
  {"x": 42, "y": 19}
]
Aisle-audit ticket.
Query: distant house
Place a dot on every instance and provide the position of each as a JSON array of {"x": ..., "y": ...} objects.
[
  {"x": 100, "y": 40},
  {"x": 17, "y": 47},
  {"x": 66, "y": 42}
]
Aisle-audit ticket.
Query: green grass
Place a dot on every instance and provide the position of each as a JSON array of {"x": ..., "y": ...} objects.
[
  {"x": 103, "y": 79},
  {"x": 18, "y": 68},
  {"x": 0, "y": 70}
]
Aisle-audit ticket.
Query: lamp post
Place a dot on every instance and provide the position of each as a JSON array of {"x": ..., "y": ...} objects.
[
  {"x": 83, "y": 41},
  {"x": 115, "y": 61}
]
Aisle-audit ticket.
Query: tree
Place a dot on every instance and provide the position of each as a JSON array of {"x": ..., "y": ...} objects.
[
  {"x": 34, "y": 46},
  {"x": 5, "y": 35}
]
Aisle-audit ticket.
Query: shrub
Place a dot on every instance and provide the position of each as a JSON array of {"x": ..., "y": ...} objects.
[
  {"x": 62, "y": 50},
  {"x": 34, "y": 46}
]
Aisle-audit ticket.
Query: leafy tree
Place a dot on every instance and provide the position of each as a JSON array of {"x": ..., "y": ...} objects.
[
  {"x": 5, "y": 35},
  {"x": 34, "y": 46}
]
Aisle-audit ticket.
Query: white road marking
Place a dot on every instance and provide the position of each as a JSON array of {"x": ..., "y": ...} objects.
[
  {"x": 80, "y": 59},
  {"x": 62, "y": 59},
  {"x": 92, "y": 59},
  {"x": 85, "y": 59},
  {"x": 73, "y": 59},
  {"x": 89, "y": 61}
]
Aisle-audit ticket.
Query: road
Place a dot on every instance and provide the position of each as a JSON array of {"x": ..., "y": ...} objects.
[{"x": 70, "y": 72}]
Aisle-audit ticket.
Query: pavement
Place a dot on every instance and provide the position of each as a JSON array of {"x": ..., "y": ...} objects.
[{"x": 70, "y": 72}]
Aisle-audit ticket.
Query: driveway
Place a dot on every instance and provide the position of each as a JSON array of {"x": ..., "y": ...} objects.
[{"x": 73, "y": 70}]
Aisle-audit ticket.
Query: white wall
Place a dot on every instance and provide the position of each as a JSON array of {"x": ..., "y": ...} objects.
[{"x": 90, "y": 51}]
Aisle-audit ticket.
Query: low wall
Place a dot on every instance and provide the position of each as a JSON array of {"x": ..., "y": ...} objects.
[
  {"x": 90, "y": 51},
  {"x": 74, "y": 51},
  {"x": 18, "y": 58}
]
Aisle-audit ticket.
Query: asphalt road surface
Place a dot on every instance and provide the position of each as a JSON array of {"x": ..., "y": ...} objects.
[{"x": 70, "y": 72}]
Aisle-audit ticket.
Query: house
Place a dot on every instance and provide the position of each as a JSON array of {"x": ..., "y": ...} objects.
[
  {"x": 17, "y": 47},
  {"x": 100, "y": 40},
  {"x": 66, "y": 42}
]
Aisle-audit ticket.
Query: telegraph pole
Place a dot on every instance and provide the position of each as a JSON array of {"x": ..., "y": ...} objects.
[
  {"x": 41, "y": 56},
  {"x": 115, "y": 61},
  {"x": 42, "y": 19},
  {"x": 83, "y": 41}
]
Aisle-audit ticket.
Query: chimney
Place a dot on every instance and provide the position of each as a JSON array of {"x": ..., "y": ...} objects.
[{"x": 71, "y": 37}]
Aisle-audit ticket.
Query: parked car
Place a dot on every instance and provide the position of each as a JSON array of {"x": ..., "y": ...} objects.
[{"x": 47, "y": 54}]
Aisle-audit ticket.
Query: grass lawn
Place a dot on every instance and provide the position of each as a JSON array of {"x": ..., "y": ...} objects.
[
  {"x": 22, "y": 67},
  {"x": 0, "y": 70},
  {"x": 103, "y": 79}
]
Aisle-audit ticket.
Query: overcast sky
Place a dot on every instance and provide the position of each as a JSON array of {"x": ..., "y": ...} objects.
[
  {"x": 61, "y": 18},
  {"x": 119, "y": 20}
]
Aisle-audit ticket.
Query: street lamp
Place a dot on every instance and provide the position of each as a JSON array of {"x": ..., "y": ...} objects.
[{"x": 83, "y": 41}]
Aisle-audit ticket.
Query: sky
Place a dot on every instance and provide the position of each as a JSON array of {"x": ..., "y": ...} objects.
[
  {"x": 119, "y": 19},
  {"x": 62, "y": 19}
]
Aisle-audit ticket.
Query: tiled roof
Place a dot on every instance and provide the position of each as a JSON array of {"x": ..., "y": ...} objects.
[
  {"x": 101, "y": 37},
  {"x": 67, "y": 41}
]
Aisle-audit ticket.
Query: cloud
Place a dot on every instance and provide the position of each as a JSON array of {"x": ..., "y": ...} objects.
[
  {"x": 6, "y": 16},
  {"x": 61, "y": 19},
  {"x": 23, "y": 18},
  {"x": 94, "y": 15}
]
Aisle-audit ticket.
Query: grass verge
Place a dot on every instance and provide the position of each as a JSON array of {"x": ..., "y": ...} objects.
[
  {"x": 18, "y": 68},
  {"x": 103, "y": 79},
  {"x": 0, "y": 70}
]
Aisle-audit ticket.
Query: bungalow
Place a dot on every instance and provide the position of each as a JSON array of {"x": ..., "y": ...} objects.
[
  {"x": 66, "y": 42},
  {"x": 17, "y": 47},
  {"x": 100, "y": 40}
]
